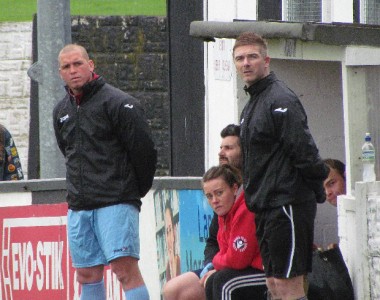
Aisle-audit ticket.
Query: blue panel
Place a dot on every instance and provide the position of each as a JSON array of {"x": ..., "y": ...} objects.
[
  {"x": 183, "y": 218},
  {"x": 195, "y": 218}
]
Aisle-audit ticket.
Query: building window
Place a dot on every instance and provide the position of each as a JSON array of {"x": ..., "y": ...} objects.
[
  {"x": 370, "y": 12},
  {"x": 303, "y": 10}
]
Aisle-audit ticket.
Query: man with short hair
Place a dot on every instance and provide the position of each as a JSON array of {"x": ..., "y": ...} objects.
[
  {"x": 230, "y": 149},
  {"x": 335, "y": 183},
  {"x": 110, "y": 162},
  {"x": 282, "y": 171}
]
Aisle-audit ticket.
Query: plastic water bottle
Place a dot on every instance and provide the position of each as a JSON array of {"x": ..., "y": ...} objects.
[{"x": 368, "y": 160}]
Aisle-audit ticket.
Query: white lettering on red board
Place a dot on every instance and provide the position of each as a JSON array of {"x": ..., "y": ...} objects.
[{"x": 42, "y": 268}]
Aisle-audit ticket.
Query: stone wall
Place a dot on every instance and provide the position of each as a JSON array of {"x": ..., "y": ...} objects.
[
  {"x": 130, "y": 52},
  {"x": 15, "y": 59}
]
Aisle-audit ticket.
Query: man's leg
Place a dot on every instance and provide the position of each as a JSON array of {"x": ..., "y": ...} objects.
[
  {"x": 117, "y": 231},
  {"x": 128, "y": 273},
  {"x": 272, "y": 292},
  {"x": 92, "y": 283},
  {"x": 86, "y": 255},
  {"x": 290, "y": 288},
  {"x": 290, "y": 234},
  {"x": 184, "y": 287}
]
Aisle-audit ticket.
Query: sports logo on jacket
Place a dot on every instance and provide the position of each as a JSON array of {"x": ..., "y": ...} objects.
[
  {"x": 240, "y": 243},
  {"x": 130, "y": 106},
  {"x": 281, "y": 110},
  {"x": 64, "y": 118}
]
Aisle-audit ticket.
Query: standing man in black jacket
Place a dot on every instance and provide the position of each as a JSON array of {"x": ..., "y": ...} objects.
[
  {"x": 282, "y": 171},
  {"x": 110, "y": 162}
]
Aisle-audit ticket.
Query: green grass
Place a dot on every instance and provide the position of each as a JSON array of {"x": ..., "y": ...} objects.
[{"x": 23, "y": 10}]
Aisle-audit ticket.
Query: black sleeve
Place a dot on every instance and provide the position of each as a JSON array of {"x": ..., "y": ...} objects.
[
  {"x": 134, "y": 133},
  {"x": 56, "y": 127},
  {"x": 316, "y": 182},
  {"x": 300, "y": 146},
  {"x": 212, "y": 246}
]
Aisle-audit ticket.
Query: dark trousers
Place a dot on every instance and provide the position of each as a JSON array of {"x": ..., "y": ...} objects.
[{"x": 229, "y": 284}]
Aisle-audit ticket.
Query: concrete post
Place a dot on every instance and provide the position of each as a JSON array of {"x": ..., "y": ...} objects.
[
  {"x": 355, "y": 120},
  {"x": 53, "y": 32},
  {"x": 359, "y": 228}
]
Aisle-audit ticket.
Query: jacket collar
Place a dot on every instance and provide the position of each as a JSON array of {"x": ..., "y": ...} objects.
[
  {"x": 260, "y": 85},
  {"x": 89, "y": 88},
  {"x": 239, "y": 199}
]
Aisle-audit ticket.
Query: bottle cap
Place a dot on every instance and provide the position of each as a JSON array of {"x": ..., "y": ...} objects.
[{"x": 367, "y": 137}]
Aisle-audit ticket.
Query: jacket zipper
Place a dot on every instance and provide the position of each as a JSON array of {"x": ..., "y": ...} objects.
[{"x": 79, "y": 145}]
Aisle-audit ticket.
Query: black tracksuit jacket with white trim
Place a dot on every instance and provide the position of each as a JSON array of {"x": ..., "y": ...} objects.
[
  {"x": 281, "y": 160},
  {"x": 110, "y": 156}
]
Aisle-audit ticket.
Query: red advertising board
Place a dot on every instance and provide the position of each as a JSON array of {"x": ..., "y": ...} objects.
[{"x": 35, "y": 259}]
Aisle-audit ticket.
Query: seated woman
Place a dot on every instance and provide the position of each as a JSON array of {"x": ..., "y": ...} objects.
[
  {"x": 239, "y": 254},
  {"x": 236, "y": 270}
]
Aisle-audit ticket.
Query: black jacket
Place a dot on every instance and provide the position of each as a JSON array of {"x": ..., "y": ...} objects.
[
  {"x": 281, "y": 161},
  {"x": 10, "y": 165},
  {"x": 212, "y": 246},
  {"x": 106, "y": 141}
]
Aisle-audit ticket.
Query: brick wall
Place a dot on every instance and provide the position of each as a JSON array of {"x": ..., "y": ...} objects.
[{"x": 15, "y": 59}]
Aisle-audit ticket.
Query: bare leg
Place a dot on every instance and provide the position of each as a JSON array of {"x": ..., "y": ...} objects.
[
  {"x": 290, "y": 288},
  {"x": 271, "y": 285},
  {"x": 184, "y": 287},
  {"x": 90, "y": 275},
  {"x": 92, "y": 283},
  {"x": 127, "y": 272}
]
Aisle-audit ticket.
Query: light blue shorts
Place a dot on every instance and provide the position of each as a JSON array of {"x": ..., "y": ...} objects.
[{"x": 98, "y": 236}]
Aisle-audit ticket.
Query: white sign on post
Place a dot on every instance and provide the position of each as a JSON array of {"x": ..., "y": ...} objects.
[{"x": 222, "y": 63}]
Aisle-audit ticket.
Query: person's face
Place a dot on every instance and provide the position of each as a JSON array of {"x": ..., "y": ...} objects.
[
  {"x": 230, "y": 152},
  {"x": 75, "y": 70},
  {"x": 220, "y": 195},
  {"x": 169, "y": 232},
  {"x": 250, "y": 64},
  {"x": 334, "y": 185}
]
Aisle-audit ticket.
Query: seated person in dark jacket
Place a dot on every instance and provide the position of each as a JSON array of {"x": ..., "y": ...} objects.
[{"x": 10, "y": 165}]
